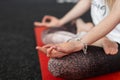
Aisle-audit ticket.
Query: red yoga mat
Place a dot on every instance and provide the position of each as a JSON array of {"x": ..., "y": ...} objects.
[{"x": 43, "y": 60}]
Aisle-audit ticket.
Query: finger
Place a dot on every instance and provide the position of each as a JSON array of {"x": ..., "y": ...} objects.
[
  {"x": 57, "y": 54},
  {"x": 49, "y": 51},
  {"x": 49, "y": 45},
  {"x": 41, "y": 49},
  {"x": 39, "y": 24},
  {"x": 46, "y": 18}
]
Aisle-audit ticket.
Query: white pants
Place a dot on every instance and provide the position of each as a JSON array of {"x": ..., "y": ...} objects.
[{"x": 61, "y": 36}]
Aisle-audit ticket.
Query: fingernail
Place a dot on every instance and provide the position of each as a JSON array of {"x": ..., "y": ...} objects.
[{"x": 37, "y": 47}]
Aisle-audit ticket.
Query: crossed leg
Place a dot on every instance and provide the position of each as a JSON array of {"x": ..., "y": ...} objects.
[
  {"x": 109, "y": 46},
  {"x": 78, "y": 65}
]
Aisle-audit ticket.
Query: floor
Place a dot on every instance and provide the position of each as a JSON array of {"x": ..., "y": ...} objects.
[{"x": 18, "y": 57}]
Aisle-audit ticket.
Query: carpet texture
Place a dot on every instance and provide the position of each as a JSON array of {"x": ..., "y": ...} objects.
[{"x": 18, "y": 57}]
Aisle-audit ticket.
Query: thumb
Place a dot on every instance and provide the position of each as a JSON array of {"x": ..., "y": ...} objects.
[
  {"x": 41, "y": 49},
  {"x": 39, "y": 24}
]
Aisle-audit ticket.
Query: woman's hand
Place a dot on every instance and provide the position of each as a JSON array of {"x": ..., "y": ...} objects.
[
  {"x": 62, "y": 49},
  {"x": 69, "y": 47},
  {"x": 50, "y": 51},
  {"x": 48, "y": 21}
]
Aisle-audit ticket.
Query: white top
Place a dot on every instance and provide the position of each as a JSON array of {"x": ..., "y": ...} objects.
[{"x": 99, "y": 10}]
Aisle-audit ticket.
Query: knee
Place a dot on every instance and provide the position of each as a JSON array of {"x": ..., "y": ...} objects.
[
  {"x": 55, "y": 67},
  {"x": 68, "y": 67},
  {"x": 60, "y": 69}
]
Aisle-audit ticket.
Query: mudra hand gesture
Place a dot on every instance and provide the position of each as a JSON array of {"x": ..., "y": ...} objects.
[
  {"x": 48, "y": 21},
  {"x": 60, "y": 50}
]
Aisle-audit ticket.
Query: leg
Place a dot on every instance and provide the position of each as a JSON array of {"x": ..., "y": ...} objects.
[
  {"x": 82, "y": 29},
  {"x": 78, "y": 65},
  {"x": 82, "y": 26},
  {"x": 62, "y": 34},
  {"x": 109, "y": 46},
  {"x": 56, "y": 35}
]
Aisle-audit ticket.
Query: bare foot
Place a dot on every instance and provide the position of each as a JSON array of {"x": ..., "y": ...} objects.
[
  {"x": 110, "y": 47},
  {"x": 82, "y": 26}
]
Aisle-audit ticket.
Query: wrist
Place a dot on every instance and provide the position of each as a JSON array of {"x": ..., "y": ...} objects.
[
  {"x": 78, "y": 45},
  {"x": 83, "y": 46},
  {"x": 63, "y": 21},
  {"x": 60, "y": 23}
]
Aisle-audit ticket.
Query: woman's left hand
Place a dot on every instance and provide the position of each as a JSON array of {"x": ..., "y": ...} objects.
[
  {"x": 62, "y": 49},
  {"x": 50, "y": 51}
]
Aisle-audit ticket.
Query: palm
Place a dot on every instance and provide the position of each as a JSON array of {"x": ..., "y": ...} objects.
[{"x": 67, "y": 47}]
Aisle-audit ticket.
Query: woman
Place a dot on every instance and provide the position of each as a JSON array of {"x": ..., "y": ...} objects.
[{"x": 106, "y": 17}]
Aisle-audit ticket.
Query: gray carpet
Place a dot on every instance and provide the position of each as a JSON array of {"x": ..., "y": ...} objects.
[{"x": 18, "y": 57}]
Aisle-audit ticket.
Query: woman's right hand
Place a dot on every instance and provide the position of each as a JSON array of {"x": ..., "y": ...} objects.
[{"x": 48, "y": 21}]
